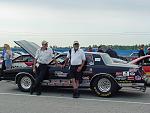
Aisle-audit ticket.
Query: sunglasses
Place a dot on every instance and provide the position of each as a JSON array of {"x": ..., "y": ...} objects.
[{"x": 76, "y": 44}]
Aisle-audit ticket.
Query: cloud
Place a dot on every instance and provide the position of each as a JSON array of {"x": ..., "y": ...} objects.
[{"x": 27, "y": 18}]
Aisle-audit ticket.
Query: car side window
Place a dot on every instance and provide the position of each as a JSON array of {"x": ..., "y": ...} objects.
[
  {"x": 27, "y": 59},
  {"x": 89, "y": 59},
  {"x": 98, "y": 59},
  {"x": 60, "y": 60},
  {"x": 20, "y": 58},
  {"x": 146, "y": 62},
  {"x": 23, "y": 59}
]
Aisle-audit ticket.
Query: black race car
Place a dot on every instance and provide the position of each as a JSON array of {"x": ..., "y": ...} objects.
[{"x": 100, "y": 73}]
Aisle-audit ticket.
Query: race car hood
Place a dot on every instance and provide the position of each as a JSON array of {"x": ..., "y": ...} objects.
[{"x": 29, "y": 47}]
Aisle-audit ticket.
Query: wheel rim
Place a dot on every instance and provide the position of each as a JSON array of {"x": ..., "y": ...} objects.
[
  {"x": 26, "y": 82},
  {"x": 104, "y": 85}
]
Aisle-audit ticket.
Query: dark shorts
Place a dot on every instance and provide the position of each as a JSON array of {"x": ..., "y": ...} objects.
[{"x": 74, "y": 74}]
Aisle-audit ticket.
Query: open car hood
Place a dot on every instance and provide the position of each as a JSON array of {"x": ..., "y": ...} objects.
[{"x": 29, "y": 47}]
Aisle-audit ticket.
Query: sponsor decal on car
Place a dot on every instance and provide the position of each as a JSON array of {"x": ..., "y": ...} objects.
[
  {"x": 133, "y": 70},
  {"x": 65, "y": 82},
  {"x": 121, "y": 78},
  {"x": 59, "y": 82},
  {"x": 119, "y": 73},
  {"x": 60, "y": 74},
  {"x": 124, "y": 81},
  {"x": 55, "y": 82},
  {"x": 132, "y": 73},
  {"x": 97, "y": 59},
  {"x": 126, "y": 73},
  {"x": 131, "y": 78},
  {"x": 138, "y": 77}
]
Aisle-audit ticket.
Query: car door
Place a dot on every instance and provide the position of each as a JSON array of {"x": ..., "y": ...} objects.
[
  {"x": 56, "y": 71},
  {"x": 146, "y": 65},
  {"x": 89, "y": 63}
]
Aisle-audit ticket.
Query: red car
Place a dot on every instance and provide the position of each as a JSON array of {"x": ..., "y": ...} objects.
[{"x": 144, "y": 61}]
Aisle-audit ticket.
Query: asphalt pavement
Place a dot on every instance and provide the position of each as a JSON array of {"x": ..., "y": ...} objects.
[{"x": 59, "y": 100}]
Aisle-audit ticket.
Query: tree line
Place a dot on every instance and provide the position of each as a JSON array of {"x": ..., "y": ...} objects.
[{"x": 117, "y": 47}]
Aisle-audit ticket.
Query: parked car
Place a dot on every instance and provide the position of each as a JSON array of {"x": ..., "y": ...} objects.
[
  {"x": 21, "y": 61},
  {"x": 144, "y": 61},
  {"x": 100, "y": 74}
]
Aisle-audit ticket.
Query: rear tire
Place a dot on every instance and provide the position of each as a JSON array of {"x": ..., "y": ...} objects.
[
  {"x": 25, "y": 82},
  {"x": 104, "y": 86}
]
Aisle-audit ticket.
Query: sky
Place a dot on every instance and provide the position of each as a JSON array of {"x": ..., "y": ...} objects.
[{"x": 60, "y": 22}]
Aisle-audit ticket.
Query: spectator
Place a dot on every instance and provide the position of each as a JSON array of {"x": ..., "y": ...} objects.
[
  {"x": 90, "y": 49},
  {"x": 111, "y": 52},
  {"x": 7, "y": 56},
  {"x": 148, "y": 49},
  {"x": 141, "y": 51},
  {"x": 3, "y": 53},
  {"x": 100, "y": 49}
]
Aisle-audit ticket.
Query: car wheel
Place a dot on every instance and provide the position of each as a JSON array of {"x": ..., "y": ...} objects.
[
  {"x": 24, "y": 83},
  {"x": 104, "y": 86}
]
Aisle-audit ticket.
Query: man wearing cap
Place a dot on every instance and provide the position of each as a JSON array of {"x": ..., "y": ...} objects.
[
  {"x": 77, "y": 60},
  {"x": 148, "y": 51},
  {"x": 40, "y": 67},
  {"x": 141, "y": 51}
]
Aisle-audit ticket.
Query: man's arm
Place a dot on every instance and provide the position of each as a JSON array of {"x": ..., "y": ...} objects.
[
  {"x": 35, "y": 60},
  {"x": 55, "y": 61},
  {"x": 34, "y": 64},
  {"x": 83, "y": 62},
  {"x": 80, "y": 67},
  {"x": 66, "y": 61}
]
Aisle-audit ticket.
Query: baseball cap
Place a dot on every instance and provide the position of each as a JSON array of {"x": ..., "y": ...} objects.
[
  {"x": 75, "y": 42},
  {"x": 148, "y": 48},
  {"x": 44, "y": 42}
]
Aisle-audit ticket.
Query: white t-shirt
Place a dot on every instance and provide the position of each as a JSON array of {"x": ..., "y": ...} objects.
[
  {"x": 76, "y": 57},
  {"x": 44, "y": 57}
]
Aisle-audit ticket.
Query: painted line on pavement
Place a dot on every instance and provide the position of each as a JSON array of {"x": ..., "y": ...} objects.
[{"x": 70, "y": 98}]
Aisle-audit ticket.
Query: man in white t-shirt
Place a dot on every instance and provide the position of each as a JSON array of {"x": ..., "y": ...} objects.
[
  {"x": 40, "y": 66},
  {"x": 77, "y": 61}
]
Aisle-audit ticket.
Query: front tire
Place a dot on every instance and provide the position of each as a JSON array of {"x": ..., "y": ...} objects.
[
  {"x": 104, "y": 86},
  {"x": 24, "y": 83}
]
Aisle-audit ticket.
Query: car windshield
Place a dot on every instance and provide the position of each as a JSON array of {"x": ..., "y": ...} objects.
[{"x": 107, "y": 59}]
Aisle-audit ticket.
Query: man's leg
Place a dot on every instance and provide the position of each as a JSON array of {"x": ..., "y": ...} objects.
[
  {"x": 74, "y": 85},
  {"x": 35, "y": 84},
  {"x": 75, "y": 88},
  {"x": 78, "y": 80},
  {"x": 77, "y": 83},
  {"x": 43, "y": 70}
]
